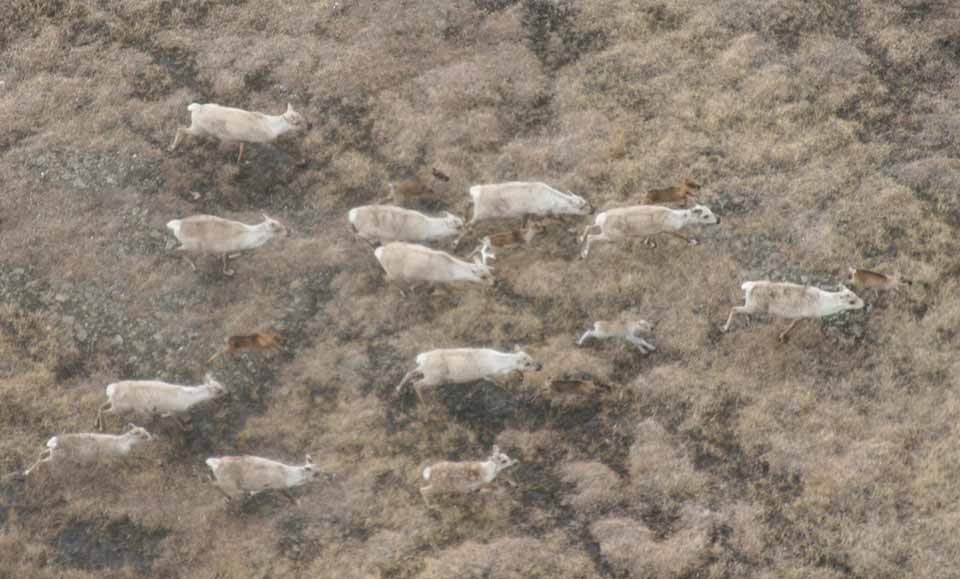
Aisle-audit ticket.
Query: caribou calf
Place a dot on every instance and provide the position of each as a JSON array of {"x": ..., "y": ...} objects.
[{"x": 463, "y": 477}]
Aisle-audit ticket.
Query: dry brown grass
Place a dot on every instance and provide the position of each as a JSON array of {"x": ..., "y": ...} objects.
[
  {"x": 632, "y": 548},
  {"x": 511, "y": 558},
  {"x": 598, "y": 488},
  {"x": 824, "y": 134}
]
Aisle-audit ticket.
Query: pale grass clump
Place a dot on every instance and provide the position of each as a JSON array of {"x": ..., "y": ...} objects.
[
  {"x": 358, "y": 427},
  {"x": 879, "y": 547},
  {"x": 587, "y": 141},
  {"x": 398, "y": 128},
  {"x": 597, "y": 487},
  {"x": 773, "y": 82},
  {"x": 368, "y": 315},
  {"x": 658, "y": 463},
  {"x": 861, "y": 229},
  {"x": 22, "y": 407},
  {"x": 771, "y": 425},
  {"x": 858, "y": 476},
  {"x": 465, "y": 103},
  {"x": 375, "y": 60},
  {"x": 749, "y": 529},
  {"x": 332, "y": 536},
  {"x": 356, "y": 170},
  {"x": 621, "y": 20},
  {"x": 432, "y": 17},
  {"x": 672, "y": 151},
  {"x": 482, "y": 322},
  {"x": 511, "y": 558},
  {"x": 933, "y": 538},
  {"x": 833, "y": 482},
  {"x": 932, "y": 336},
  {"x": 213, "y": 554},
  {"x": 938, "y": 119},
  {"x": 309, "y": 395},
  {"x": 934, "y": 469},
  {"x": 632, "y": 548},
  {"x": 540, "y": 278},
  {"x": 532, "y": 155},
  {"x": 904, "y": 44},
  {"x": 932, "y": 180},
  {"x": 356, "y": 279},
  {"x": 823, "y": 62},
  {"x": 270, "y": 432},
  {"x": 601, "y": 80},
  {"x": 35, "y": 341},
  {"x": 786, "y": 568},
  {"x": 741, "y": 55},
  {"x": 389, "y": 550},
  {"x": 661, "y": 381},
  {"x": 796, "y": 142},
  {"x": 377, "y": 491},
  {"x": 24, "y": 558},
  {"x": 40, "y": 54},
  {"x": 514, "y": 78},
  {"x": 476, "y": 130}
]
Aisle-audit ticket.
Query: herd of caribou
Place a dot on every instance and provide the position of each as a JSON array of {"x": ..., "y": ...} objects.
[{"x": 399, "y": 236}]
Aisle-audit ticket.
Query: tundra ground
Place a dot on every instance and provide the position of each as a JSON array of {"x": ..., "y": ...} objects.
[{"x": 824, "y": 134}]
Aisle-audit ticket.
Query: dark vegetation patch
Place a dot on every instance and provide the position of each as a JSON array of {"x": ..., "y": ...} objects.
[
  {"x": 553, "y": 34},
  {"x": 102, "y": 543},
  {"x": 493, "y": 5},
  {"x": 483, "y": 406},
  {"x": 787, "y": 24},
  {"x": 597, "y": 432},
  {"x": 181, "y": 64},
  {"x": 293, "y": 544}
]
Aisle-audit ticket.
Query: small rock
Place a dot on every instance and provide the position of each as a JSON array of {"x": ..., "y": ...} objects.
[
  {"x": 60, "y": 298},
  {"x": 117, "y": 341}
]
